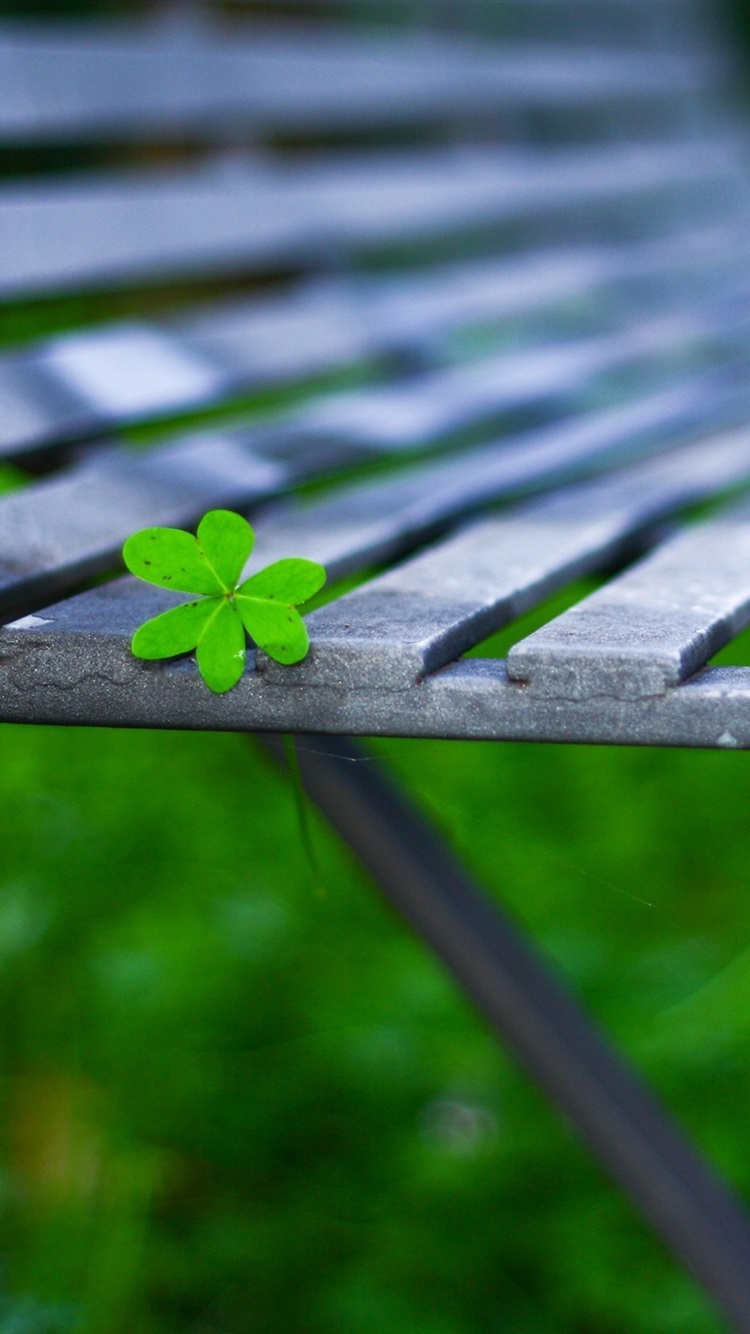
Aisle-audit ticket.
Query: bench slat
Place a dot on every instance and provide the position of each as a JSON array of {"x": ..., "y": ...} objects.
[
  {"x": 88, "y": 677},
  {"x": 58, "y": 533},
  {"x": 106, "y": 230},
  {"x": 132, "y": 370},
  {"x": 63, "y": 529},
  {"x": 652, "y": 627},
  {"x": 37, "y": 408},
  {"x": 75, "y": 390},
  {"x": 419, "y": 616},
  {"x": 75, "y": 386},
  {"x": 430, "y": 408},
  {"x": 369, "y": 522},
  {"x": 73, "y": 526},
  {"x": 419, "y": 305},
  {"x": 131, "y": 83},
  {"x": 637, "y": 25}
]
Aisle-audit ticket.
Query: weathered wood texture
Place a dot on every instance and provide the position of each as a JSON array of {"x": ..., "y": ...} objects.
[{"x": 510, "y": 276}]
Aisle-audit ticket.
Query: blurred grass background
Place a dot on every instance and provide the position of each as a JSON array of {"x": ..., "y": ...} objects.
[{"x": 235, "y": 1101}]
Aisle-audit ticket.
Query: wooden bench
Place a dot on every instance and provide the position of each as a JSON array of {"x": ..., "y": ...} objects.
[{"x": 498, "y": 284}]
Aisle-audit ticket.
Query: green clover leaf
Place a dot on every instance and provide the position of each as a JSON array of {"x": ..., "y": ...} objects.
[{"x": 214, "y": 625}]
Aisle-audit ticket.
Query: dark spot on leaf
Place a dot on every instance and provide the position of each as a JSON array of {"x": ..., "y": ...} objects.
[{"x": 148, "y": 562}]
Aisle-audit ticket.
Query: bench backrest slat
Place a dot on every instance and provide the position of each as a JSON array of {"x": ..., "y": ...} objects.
[
  {"x": 106, "y": 231},
  {"x": 118, "y": 82}
]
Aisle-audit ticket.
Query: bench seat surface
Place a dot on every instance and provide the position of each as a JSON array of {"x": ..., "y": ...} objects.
[{"x": 464, "y": 320}]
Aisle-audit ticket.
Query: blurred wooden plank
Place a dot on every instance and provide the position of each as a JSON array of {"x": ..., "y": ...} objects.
[
  {"x": 99, "y": 81},
  {"x": 378, "y": 520},
  {"x": 107, "y": 230},
  {"x": 423, "y": 410},
  {"x": 58, "y": 533},
  {"x": 637, "y": 25},
  {"x": 80, "y": 384}
]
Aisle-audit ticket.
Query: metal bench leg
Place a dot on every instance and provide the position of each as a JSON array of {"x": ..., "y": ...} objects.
[{"x": 620, "y": 1119}]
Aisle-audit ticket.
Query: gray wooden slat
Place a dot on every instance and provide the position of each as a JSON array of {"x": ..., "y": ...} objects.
[
  {"x": 73, "y": 525},
  {"x": 87, "y": 619},
  {"x": 76, "y": 386},
  {"x": 59, "y": 532},
  {"x": 372, "y": 204},
  {"x": 332, "y": 321},
  {"x": 132, "y": 370},
  {"x": 417, "y": 617},
  {"x": 652, "y": 627},
  {"x": 316, "y": 326},
  {"x": 108, "y": 230},
  {"x": 87, "y": 381},
  {"x": 288, "y": 334},
  {"x": 416, "y": 306},
  {"x": 37, "y": 408},
  {"x": 630, "y": 25},
  {"x": 431, "y": 407},
  {"x": 88, "y": 677},
  {"x": 366, "y": 523},
  {"x": 80, "y": 384},
  {"x": 100, "y": 82},
  {"x": 83, "y": 384}
]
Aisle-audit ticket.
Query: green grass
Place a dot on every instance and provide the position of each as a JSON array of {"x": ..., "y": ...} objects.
[{"x": 235, "y": 1102}]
